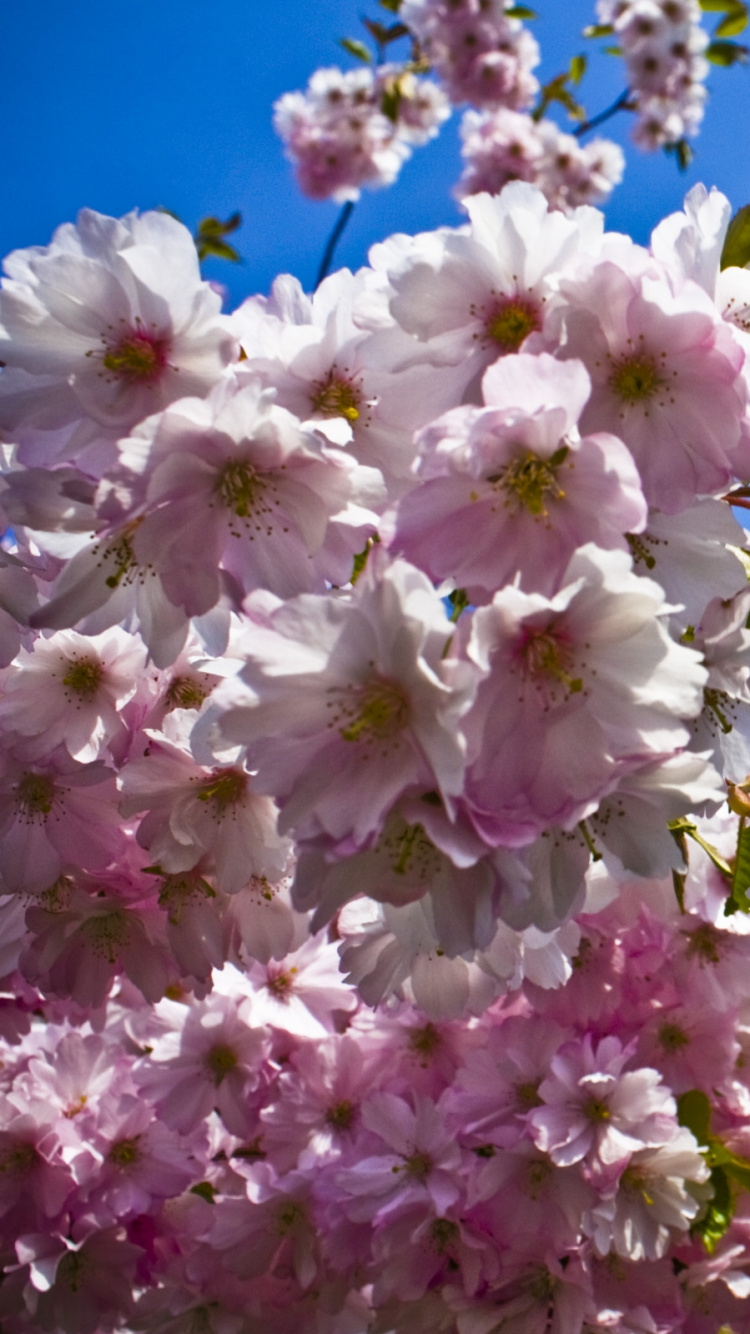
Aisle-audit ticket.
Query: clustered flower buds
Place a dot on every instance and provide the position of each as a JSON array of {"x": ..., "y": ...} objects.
[
  {"x": 374, "y": 667},
  {"x": 501, "y": 146},
  {"x": 662, "y": 43},
  {"x": 356, "y": 128}
]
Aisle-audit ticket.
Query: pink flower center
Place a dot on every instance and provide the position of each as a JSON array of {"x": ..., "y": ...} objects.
[
  {"x": 138, "y": 358},
  {"x": 224, "y": 788},
  {"x": 410, "y": 851},
  {"x": 19, "y": 1158},
  {"x": 83, "y": 677},
  {"x": 35, "y": 796},
  {"x": 417, "y": 1165},
  {"x": 107, "y": 935},
  {"x": 125, "y": 1152},
  {"x": 443, "y": 1233},
  {"x": 529, "y": 482},
  {"x": 510, "y": 321},
  {"x": 221, "y": 1060},
  {"x": 341, "y": 1115},
  {"x": 547, "y": 658},
  {"x": 376, "y": 713},
  {"x": 673, "y": 1038},
  {"x": 337, "y": 396},
  {"x": 597, "y": 1110},
  {"x": 636, "y": 378},
  {"x": 290, "y": 1215},
  {"x": 281, "y": 984},
  {"x": 425, "y": 1041},
  {"x": 185, "y": 693}
]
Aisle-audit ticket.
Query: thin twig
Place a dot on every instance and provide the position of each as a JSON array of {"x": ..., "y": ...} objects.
[
  {"x": 622, "y": 104},
  {"x": 333, "y": 241}
]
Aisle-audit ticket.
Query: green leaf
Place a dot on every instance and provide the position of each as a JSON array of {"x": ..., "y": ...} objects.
[
  {"x": 392, "y": 5},
  {"x": 732, "y": 25},
  {"x": 694, "y": 1112},
  {"x": 214, "y": 227},
  {"x": 612, "y": 50},
  {"x": 678, "y": 882},
  {"x": 458, "y": 600},
  {"x": 577, "y": 68},
  {"x": 390, "y": 101},
  {"x": 598, "y": 30},
  {"x": 356, "y": 49},
  {"x": 684, "y": 825},
  {"x": 360, "y": 560},
  {"x": 209, "y": 238},
  {"x": 683, "y": 153},
  {"x": 718, "y": 1216},
  {"x": 726, "y": 53},
  {"x": 720, "y": 6},
  {"x": 738, "y": 900},
  {"x": 736, "y": 252},
  {"x": 205, "y": 1190},
  {"x": 520, "y": 12}
]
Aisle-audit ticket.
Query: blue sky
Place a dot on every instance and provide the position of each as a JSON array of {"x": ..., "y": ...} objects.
[{"x": 161, "y": 102}]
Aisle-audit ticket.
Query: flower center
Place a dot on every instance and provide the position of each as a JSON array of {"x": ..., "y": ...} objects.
[
  {"x": 20, "y": 1158},
  {"x": 221, "y": 1060},
  {"x": 341, "y": 1115},
  {"x": 539, "y": 1171},
  {"x": 636, "y": 379},
  {"x": 72, "y": 1269},
  {"x": 35, "y": 795},
  {"x": 138, "y": 358},
  {"x": 530, "y": 481},
  {"x": 335, "y": 396},
  {"x": 443, "y": 1233},
  {"x": 546, "y": 657},
  {"x": 425, "y": 1041},
  {"x": 703, "y": 944},
  {"x": 596, "y": 1110},
  {"x": 121, "y": 550},
  {"x": 527, "y": 1095},
  {"x": 281, "y": 984},
  {"x": 418, "y": 1165},
  {"x": 509, "y": 323},
  {"x": 290, "y": 1215},
  {"x": 410, "y": 851},
  {"x": 107, "y": 934},
  {"x": 185, "y": 693},
  {"x": 382, "y": 713},
  {"x": 673, "y": 1038},
  {"x": 125, "y": 1152},
  {"x": 224, "y": 788},
  {"x": 240, "y": 488},
  {"x": 83, "y": 677}
]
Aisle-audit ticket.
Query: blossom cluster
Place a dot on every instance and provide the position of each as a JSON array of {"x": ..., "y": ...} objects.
[
  {"x": 357, "y": 128},
  {"x": 501, "y": 146},
  {"x": 662, "y": 42},
  {"x": 369, "y": 662},
  {"x": 480, "y": 53}
]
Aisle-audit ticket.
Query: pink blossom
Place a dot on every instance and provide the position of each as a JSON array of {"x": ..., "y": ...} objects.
[
  {"x": 664, "y": 369},
  {"x": 561, "y": 674},
  {"x": 511, "y": 488},
  {"x": 346, "y": 703},
  {"x": 420, "y": 1169},
  {"x": 233, "y": 482},
  {"x": 104, "y": 326},
  {"x": 195, "y": 812},
  {"x": 595, "y": 1111},
  {"x": 70, "y": 689}
]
